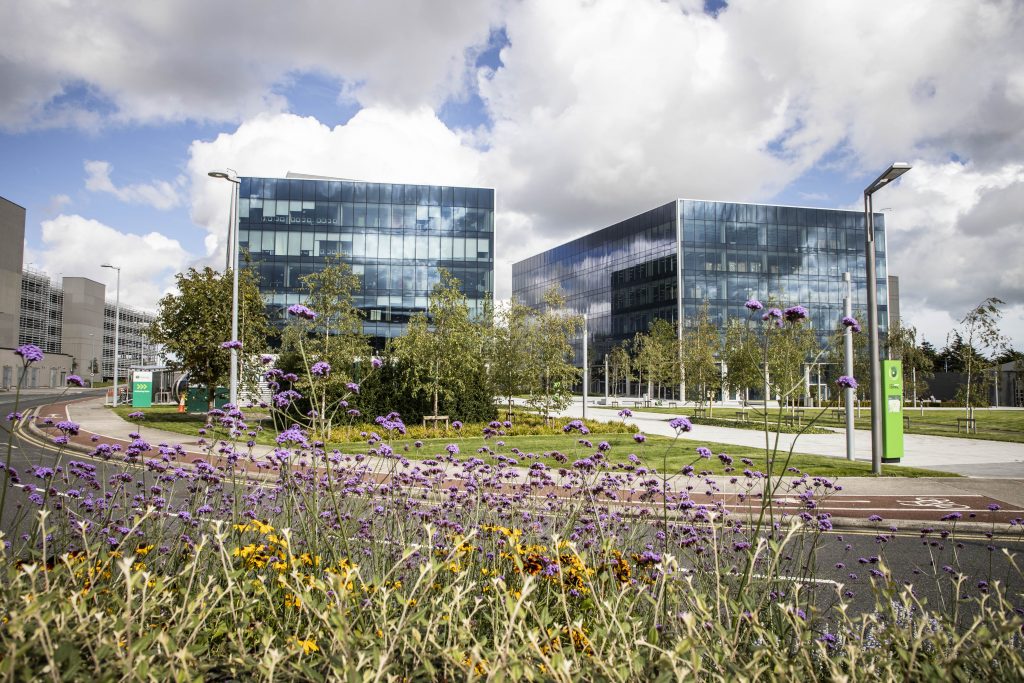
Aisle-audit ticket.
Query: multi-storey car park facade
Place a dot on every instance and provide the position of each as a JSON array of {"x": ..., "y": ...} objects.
[
  {"x": 75, "y": 319},
  {"x": 666, "y": 262},
  {"x": 396, "y": 237}
]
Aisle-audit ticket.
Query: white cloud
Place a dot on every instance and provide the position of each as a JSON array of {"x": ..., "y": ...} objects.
[
  {"x": 954, "y": 239},
  {"x": 56, "y": 204},
  {"x": 160, "y": 194},
  {"x": 77, "y": 246},
  {"x": 193, "y": 59}
]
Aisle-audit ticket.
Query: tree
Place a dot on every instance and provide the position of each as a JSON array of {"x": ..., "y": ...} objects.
[
  {"x": 917, "y": 366},
  {"x": 665, "y": 346},
  {"x": 442, "y": 349},
  {"x": 619, "y": 366},
  {"x": 979, "y": 329},
  {"x": 193, "y": 323},
  {"x": 512, "y": 364},
  {"x": 335, "y": 337},
  {"x": 702, "y": 343},
  {"x": 789, "y": 349},
  {"x": 742, "y": 357},
  {"x": 861, "y": 356},
  {"x": 551, "y": 346}
]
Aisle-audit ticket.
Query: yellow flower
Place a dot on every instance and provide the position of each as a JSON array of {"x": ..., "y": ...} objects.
[
  {"x": 291, "y": 600},
  {"x": 308, "y": 646}
]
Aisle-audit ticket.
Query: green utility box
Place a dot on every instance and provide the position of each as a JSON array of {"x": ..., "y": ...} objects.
[
  {"x": 892, "y": 400},
  {"x": 195, "y": 399},
  {"x": 142, "y": 388}
]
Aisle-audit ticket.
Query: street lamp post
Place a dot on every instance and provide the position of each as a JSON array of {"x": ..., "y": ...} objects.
[
  {"x": 92, "y": 364},
  {"x": 848, "y": 362},
  {"x": 585, "y": 368},
  {"x": 233, "y": 251},
  {"x": 892, "y": 173},
  {"x": 117, "y": 325}
]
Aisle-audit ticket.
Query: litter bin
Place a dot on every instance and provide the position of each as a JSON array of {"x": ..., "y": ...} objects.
[{"x": 195, "y": 400}]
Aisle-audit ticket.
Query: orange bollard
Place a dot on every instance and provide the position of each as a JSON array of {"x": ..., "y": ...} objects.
[{"x": 181, "y": 404}]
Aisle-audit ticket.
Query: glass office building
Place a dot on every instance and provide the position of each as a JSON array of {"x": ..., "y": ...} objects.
[
  {"x": 664, "y": 263},
  {"x": 396, "y": 238}
]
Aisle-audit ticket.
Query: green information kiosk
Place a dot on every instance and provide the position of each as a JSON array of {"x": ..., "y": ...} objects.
[
  {"x": 892, "y": 401},
  {"x": 142, "y": 388}
]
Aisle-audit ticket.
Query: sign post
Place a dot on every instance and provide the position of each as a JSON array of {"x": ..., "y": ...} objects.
[
  {"x": 892, "y": 402},
  {"x": 142, "y": 388}
]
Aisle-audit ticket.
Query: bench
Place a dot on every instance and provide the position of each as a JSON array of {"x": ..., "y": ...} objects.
[
  {"x": 968, "y": 423},
  {"x": 699, "y": 412},
  {"x": 794, "y": 420},
  {"x": 839, "y": 414},
  {"x": 435, "y": 419},
  {"x": 742, "y": 415}
]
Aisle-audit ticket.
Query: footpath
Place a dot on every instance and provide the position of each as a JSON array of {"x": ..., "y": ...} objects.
[{"x": 923, "y": 499}]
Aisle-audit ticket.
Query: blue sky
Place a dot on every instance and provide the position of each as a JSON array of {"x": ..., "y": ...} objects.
[{"x": 578, "y": 113}]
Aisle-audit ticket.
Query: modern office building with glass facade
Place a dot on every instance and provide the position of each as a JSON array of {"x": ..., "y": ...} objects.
[
  {"x": 396, "y": 238},
  {"x": 664, "y": 263}
]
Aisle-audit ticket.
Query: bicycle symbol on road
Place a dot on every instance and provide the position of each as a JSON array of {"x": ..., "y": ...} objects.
[{"x": 938, "y": 503}]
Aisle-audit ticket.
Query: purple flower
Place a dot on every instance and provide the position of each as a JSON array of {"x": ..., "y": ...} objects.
[
  {"x": 680, "y": 424},
  {"x": 993, "y": 507},
  {"x": 754, "y": 305},
  {"x": 233, "y": 344},
  {"x": 951, "y": 517},
  {"x": 795, "y": 313},
  {"x": 639, "y": 438},
  {"x": 874, "y": 518},
  {"x": 849, "y": 321},
  {"x": 704, "y": 452},
  {"x": 76, "y": 380},
  {"x": 625, "y": 412},
  {"x": 137, "y": 415},
  {"x": 452, "y": 448},
  {"x": 376, "y": 362},
  {"x": 456, "y": 425},
  {"x": 772, "y": 313},
  {"x": 68, "y": 427},
  {"x": 353, "y": 387},
  {"x": 266, "y": 360},
  {"x": 302, "y": 312},
  {"x": 604, "y": 446},
  {"x": 30, "y": 353},
  {"x": 846, "y": 382},
  {"x": 321, "y": 369}
]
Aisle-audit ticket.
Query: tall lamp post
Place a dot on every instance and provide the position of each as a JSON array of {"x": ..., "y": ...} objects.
[
  {"x": 233, "y": 259},
  {"x": 848, "y": 362},
  {"x": 92, "y": 364},
  {"x": 117, "y": 325},
  {"x": 891, "y": 174},
  {"x": 586, "y": 370}
]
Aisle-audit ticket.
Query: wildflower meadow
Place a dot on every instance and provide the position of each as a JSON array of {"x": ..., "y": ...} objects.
[{"x": 147, "y": 562}]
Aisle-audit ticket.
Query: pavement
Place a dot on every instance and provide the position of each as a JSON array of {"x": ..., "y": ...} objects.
[
  {"x": 923, "y": 499},
  {"x": 966, "y": 457}
]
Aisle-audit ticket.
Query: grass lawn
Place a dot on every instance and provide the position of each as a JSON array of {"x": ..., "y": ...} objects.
[{"x": 657, "y": 452}]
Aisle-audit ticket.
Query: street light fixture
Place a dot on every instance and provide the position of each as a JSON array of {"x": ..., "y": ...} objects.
[
  {"x": 117, "y": 325},
  {"x": 231, "y": 177},
  {"x": 892, "y": 173}
]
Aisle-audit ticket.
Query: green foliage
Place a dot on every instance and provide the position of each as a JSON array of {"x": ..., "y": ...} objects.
[
  {"x": 552, "y": 373},
  {"x": 620, "y": 366},
  {"x": 979, "y": 332},
  {"x": 742, "y": 355},
  {"x": 512, "y": 363},
  {"x": 335, "y": 337},
  {"x": 192, "y": 323},
  {"x": 902, "y": 344},
  {"x": 702, "y": 344},
  {"x": 441, "y": 356}
]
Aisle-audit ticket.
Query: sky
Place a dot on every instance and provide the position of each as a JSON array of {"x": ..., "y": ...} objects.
[{"x": 580, "y": 113}]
